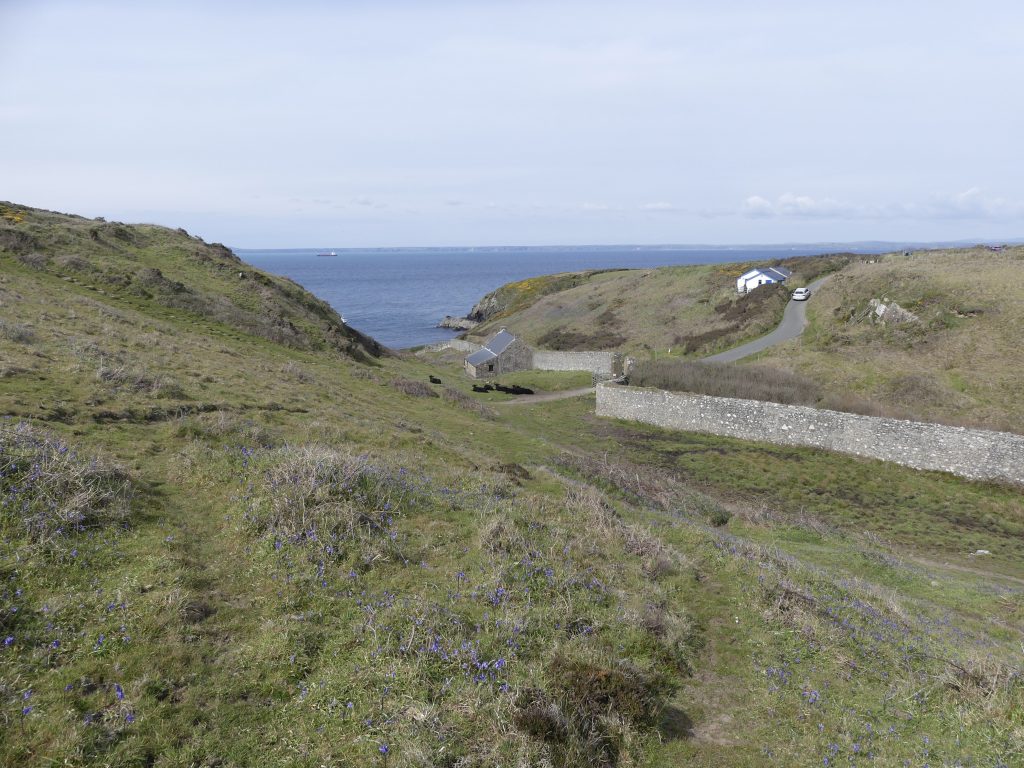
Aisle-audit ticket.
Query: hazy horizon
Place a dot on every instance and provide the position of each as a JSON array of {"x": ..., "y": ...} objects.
[{"x": 453, "y": 123}]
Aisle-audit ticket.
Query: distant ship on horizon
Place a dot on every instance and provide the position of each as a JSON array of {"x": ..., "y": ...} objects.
[{"x": 327, "y": 253}]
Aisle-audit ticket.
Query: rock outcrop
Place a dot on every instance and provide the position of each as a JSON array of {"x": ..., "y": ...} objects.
[{"x": 457, "y": 323}]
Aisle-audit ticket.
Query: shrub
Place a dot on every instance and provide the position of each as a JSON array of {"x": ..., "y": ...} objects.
[
  {"x": 590, "y": 707},
  {"x": 16, "y": 332},
  {"x": 48, "y": 490},
  {"x": 719, "y": 517},
  {"x": 751, "y": 382},
  {"x": 603, "y": 337}
]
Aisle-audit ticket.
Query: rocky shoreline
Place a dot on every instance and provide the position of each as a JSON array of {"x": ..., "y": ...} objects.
[{"x": 457, "y": 323}]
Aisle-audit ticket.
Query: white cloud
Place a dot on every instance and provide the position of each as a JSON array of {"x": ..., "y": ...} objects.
[
  {"x": 661, "y": 207},
  {"x": 793, "y": 205},
  {"x": 757, "y": 206},
  {"x": 973, "y": 203}
]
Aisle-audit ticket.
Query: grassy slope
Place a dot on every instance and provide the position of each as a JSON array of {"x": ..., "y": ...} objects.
[
  {"x": 962, "y": 361},
  {"x": 649, "y": 311},
  {"x": 235, "y": 636}
]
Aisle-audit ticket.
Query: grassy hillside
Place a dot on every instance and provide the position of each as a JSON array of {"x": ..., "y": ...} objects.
[
  {"x": 145, "y": 265},
  {"x": 648, "y": 311},
  {"x": 960, "y": 362},
  {"x": 222, "y": 546}
]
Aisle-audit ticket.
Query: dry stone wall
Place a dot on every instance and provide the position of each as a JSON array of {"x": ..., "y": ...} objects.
[
  {"x": 599, "y": 363},
  {"x": 460, "y": 344},
  {"x": 972, "y": 453}
]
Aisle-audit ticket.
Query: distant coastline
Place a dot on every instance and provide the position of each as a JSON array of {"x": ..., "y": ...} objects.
[{"x": 860, "y": 246}]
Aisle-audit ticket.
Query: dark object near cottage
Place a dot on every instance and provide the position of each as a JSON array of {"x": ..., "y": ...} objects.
[
  {"x": 434, "y": 380},
  {"x": 515, "y": 389},
  {"x": 478, "y": 388}
]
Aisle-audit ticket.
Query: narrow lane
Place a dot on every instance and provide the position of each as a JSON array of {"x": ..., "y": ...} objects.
[{"x": 794, "y": 320}]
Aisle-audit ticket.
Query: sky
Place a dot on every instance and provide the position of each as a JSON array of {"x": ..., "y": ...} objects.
[{"x": 444, "y": 122}]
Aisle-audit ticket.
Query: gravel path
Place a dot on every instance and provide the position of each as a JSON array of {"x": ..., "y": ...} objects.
[{"x": 545, "y": 397}]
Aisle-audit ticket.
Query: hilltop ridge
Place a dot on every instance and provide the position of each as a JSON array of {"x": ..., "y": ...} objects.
[{"x": 135, "y": 263}]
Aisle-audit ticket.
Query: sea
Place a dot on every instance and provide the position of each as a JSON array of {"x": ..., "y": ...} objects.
[{"x": 398, "y": 296}]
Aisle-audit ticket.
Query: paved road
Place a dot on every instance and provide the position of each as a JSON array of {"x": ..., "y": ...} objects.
[{"x": 794, "y": 320}]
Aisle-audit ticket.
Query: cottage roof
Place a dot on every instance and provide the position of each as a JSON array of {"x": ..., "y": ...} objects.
[
  {"x": 775, "y": 273},
  {"x": 499, "y": 342},
  {"x": 494, "y": 346},
  {"x": 480, "y": 356}
]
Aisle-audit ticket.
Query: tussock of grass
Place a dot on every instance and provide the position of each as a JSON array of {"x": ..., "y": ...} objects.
[
  {"x": 462, "y": 400},
  {"x": 226, "y": 426},
  {"x": 16, "y": 332},
  {"x": 118, "y": 374},
  {"x": 313, "y": 492},
  {"x": 48, "y": 490},
  {"x": 412, "y": 387}
]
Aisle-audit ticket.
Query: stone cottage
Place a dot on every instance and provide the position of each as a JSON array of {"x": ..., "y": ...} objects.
[{"x": 502, "y": 353}]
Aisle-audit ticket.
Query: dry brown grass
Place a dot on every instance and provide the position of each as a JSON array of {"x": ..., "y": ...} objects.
[
  {"x": 412, "y": 387},
  {"x": 467, "y": 403},
  {"x": 959, "y": 365},
  {"x": 51, "y": 491}
]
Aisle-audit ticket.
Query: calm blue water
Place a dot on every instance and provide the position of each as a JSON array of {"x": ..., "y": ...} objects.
[{"x": 398, "y": 296}]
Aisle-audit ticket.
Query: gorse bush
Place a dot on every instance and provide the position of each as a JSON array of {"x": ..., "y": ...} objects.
[{"x": 47, "y": 490}]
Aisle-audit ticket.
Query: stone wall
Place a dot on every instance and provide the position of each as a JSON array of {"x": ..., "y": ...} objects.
[
  {"x": 973, "y": 453},
  {"x": 459, "y": 344},
  {"x": 599, "y": 363}
]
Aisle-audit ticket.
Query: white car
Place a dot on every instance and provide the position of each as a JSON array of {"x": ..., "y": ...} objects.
[{"x": 801, "y": 294}]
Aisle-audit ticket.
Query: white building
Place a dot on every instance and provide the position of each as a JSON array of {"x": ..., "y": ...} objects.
[{"x": 761, "y": 276}]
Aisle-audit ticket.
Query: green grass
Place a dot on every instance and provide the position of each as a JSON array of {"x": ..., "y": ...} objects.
[{"x": 290, "y": 532}]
